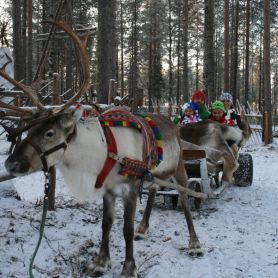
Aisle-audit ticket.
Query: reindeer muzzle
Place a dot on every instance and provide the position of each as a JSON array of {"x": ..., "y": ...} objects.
[{"x": 17, "y": 166}]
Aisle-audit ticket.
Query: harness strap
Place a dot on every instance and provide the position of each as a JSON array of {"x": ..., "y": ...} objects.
[
  {"x": 109, "y": 162},
  {"x": 40, "y": 153}
]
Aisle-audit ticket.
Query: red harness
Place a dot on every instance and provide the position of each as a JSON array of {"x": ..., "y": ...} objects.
[
  {"x": 109, "y": 162},
  {"x": 111, "y": 147},
  {"x": 130, "y": 167}
]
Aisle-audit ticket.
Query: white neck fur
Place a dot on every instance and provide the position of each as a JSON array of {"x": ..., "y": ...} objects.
[{"x": 84, "y": 159}]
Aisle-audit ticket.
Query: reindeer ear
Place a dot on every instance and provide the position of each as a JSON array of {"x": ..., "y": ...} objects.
[{"x": 68, "y": 119}]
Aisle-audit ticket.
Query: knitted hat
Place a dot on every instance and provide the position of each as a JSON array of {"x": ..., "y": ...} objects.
[
  {"x": 226, "y": 96},
  {"x": 198, "y": 94},
  {"x": 190, "y": 105},
  {"x": 218, "y": 105}
]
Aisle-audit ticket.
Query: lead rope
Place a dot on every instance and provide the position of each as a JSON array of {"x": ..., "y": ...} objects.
[{"x": 41, "y": 230}]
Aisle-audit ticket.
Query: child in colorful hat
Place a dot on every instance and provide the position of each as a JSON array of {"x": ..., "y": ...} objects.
[
  {"x": 218, "y": 113},
  {"x": 227, "y": 100},
  {"x": 199, "y": 98},
  {"x": 190, "y": 113}
]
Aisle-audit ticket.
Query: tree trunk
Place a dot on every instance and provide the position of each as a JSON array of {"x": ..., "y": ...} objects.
[
  {"x": 19, "y": 72},
  {"x": 69, "y": 52},
  {"x": 226, "y": 46},
  {"x": 30, "y": 41},
  {"x": 106, "y": 46},
  {"x": 247, "y": 44},
  {"x": 185, "y": 87},
  {"x": 134, "y": 55},
  {"x": 234, "y": 63},
  {"x": 209, "y": 59},
  {"x": 170, "y": 51},
  {"x": 266, "y": 59},
  {"x": 24, "y": 53},
  {"x": 178, "y": 94},
  {"x": 122, "y": 52}
]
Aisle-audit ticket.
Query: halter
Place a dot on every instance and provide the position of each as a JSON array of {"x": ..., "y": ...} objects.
[{"x": 44, "y": 154}]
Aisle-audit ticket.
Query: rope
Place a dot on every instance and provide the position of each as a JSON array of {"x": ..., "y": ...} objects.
[
  {"x": 45, "y": 206},
  {"x": 41, "y": 230}
]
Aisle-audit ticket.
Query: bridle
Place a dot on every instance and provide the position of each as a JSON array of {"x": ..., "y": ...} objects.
[{"x": 43, "y": 154}]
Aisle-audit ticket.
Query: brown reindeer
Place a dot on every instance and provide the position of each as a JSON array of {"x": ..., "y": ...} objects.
[
  {"x": 224, "y": 139},
  {"x": 58, "y": 136},
  {"x": 221, "y": 144}
]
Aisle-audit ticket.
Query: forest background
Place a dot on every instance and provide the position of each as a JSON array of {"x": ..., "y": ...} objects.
[{"x": 164, "y": 49}]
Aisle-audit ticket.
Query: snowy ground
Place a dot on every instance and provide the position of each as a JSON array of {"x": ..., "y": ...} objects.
[{"x": 238, "y": 232}]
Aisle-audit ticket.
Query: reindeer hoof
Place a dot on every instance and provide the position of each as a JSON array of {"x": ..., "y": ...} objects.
[
  {"x": 140, "y": 233},
  {"x": 99, "y": 266},
  {"x": 195, "y": 248},
  {"x": 139, "y": 236},
  {"x": 196, "y": 252},
  {"x": 129, "y": 270}
]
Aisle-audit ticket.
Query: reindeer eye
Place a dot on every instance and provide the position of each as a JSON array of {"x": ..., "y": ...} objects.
[{"x": 49, "y": 134}]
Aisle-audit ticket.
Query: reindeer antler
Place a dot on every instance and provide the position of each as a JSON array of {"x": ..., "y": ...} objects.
[
  {"x": 26, "y": 89},
  {"x": 30, "y": 90},
  {"x": 81, "y": 45}
]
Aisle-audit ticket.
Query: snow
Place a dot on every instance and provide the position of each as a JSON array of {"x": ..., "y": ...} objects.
[{"x": 238, "y": 231}]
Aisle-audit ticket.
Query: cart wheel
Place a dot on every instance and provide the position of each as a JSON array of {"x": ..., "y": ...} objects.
[
  {"x": 171, "y": 201},
  {"x": 244, "y": 174},
  {"x": 175, "y": 200}
]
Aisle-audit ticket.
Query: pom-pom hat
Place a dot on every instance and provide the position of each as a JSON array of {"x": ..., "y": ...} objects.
[
  {"x": 218, "y": 105},
  {"x": 226, "y": 96},
  {"x": 198, "y": 94}
]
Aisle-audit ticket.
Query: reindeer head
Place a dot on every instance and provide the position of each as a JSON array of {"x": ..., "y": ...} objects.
[
  {"x": 44, "y": 145},
  {"x": 49, "y": 129}
]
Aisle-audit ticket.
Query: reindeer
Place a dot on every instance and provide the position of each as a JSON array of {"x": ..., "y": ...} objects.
[
  {"x": 224, "y": 139},
  {"x": 59, "y": 136},
  {"x": 215, "y": 139}
]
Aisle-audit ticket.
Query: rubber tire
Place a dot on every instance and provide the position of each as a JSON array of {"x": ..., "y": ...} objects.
[
  {"x": 243, "y": 176},
  {"x": 171, "y": 201}
]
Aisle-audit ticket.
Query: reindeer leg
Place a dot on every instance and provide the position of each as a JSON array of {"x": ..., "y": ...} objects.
[
  {"x": 144, "y": 224},
  {"x": 194, "y": 244},
  {"x": 230, "y": 163},
  {"x": 129, "y": 268},
  {"x": 102, "y": 263}
]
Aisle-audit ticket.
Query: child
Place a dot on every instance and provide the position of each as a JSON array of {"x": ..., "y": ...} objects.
[
  {"x": 227, "y": 100},
  {"x": 218, "y": 114},
  {"x": 190, "y": 113},
  {"x": 199, "y": 98}
]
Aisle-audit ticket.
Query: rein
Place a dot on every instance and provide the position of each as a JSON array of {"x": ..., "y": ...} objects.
[{"x": 41, "y": 230}]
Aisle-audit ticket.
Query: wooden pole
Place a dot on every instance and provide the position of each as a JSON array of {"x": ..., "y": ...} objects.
[
  {"x": 52, "y": 170},
  {"x": 265, "y": 131},
  {"x": 56, "y": 89},
  {"x": 52, "y": 187},
  {"x": 18, "y": 101},
  {"x": 111, "y": 93}
]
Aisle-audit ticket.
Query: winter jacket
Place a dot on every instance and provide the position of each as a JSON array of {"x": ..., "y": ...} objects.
[
  {"x": 203, "y": 112},
  {"x": 189, "y": 119},
  {"x": 231, "y": 114},
  {"x": 224, "y": 121}
]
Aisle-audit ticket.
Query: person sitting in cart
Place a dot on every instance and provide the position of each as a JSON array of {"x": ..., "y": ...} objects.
[
  {"x": 199, "y": 98},
  {"x": 190, "y": 113},
  {"x": 227, "y": 100},
  {"x": 218, "y": 114}
]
